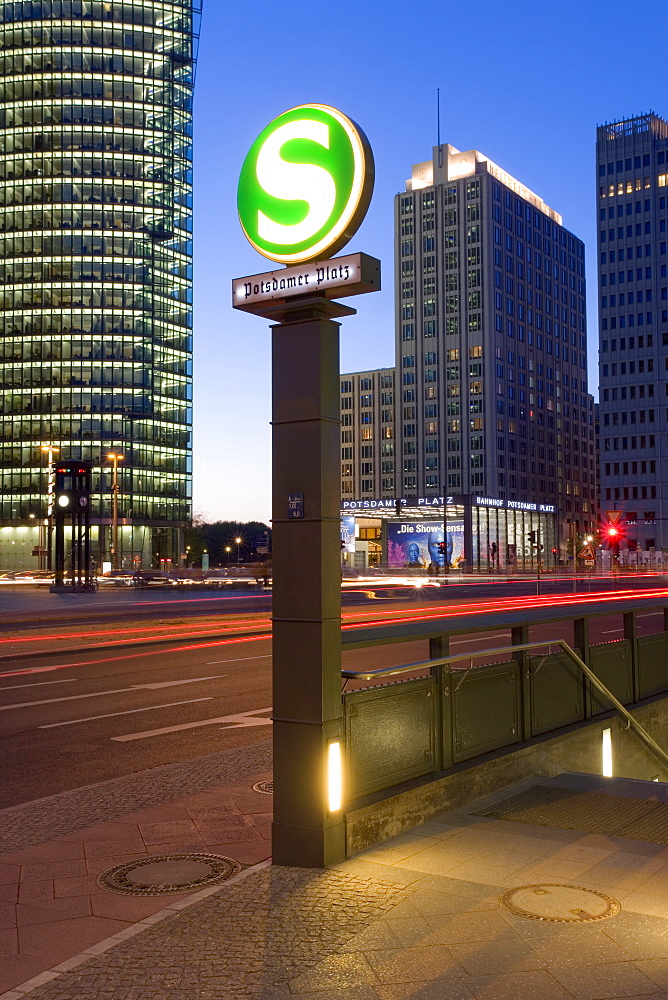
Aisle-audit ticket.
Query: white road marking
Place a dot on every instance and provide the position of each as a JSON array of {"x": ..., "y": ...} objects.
[
  {"x": 239, "y": 659},
  {"x": 241, "y": 718},
  {"x": 111, "y": 715},
  {"x": 101, "y": 694},
  {"x": 13, "y": 687},
  {"x": 244, "y": 720},
  {"x": 610, "y": 631},
  {"x": 167, "y": 684}
]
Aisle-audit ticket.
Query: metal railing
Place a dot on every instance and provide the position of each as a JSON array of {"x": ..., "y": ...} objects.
[{"x": 444, "y": 661}]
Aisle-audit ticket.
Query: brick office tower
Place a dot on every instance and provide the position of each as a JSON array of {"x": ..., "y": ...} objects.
[
  {"x": 632, "y": 185},
  {"x": 96, "y": 261},
  {"x": 491, "y": 342}
]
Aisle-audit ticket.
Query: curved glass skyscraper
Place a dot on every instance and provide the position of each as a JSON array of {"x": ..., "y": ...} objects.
[{"x": 96, "y": 264}]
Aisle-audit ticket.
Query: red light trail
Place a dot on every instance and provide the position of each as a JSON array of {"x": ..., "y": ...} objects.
[{"x": 383, "y": 618}]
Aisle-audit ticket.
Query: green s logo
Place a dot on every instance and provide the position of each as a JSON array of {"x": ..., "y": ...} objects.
[{"x": 305, "y": 185}]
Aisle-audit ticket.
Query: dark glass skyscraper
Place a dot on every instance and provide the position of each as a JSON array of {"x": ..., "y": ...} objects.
[
  {"x": 96, "y": 263},
  {"x": 632, "y": 191}
]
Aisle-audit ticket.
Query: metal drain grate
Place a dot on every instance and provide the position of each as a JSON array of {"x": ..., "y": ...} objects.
[
  {"x": 591, "y": 812},
  {"x": 559, "y": 904},
  {"x": 264, "y": 786},
  {"x": 167, "y": 873}
]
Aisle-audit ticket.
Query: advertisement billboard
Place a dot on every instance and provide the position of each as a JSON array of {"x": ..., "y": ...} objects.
[
  {"x": 415, "y": 544},
  {"x": 348, "y": 534}
]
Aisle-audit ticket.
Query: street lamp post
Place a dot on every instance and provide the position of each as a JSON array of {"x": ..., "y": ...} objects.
[
  {"x": 45, "y": 523},
  {"x": 238, "y": 541},
  {"x": 114, "y": 509},
  {"x": 228, "y": 549}
]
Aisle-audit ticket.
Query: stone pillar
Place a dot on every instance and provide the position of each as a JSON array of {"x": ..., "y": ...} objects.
[{"x": 306, "y": 565}]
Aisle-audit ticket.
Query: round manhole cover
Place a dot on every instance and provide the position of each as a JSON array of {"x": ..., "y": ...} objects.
[
  {"x": 264, "y": 786},
  {"x": 559, "y": 903},
  {"x": 167, "y": 873}
]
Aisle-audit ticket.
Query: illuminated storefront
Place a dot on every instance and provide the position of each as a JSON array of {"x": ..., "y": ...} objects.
[
  {"x": 479, "y": 534},
  {"x": 96, "y": 260}
]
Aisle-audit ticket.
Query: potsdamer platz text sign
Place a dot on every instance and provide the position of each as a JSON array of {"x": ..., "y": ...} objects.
[{"x": 304, "y": 188}]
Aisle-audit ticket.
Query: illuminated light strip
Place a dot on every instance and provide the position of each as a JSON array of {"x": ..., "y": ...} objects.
[
  {"x": 606, "y": 753},
  {"x": 334, "y": 776}
]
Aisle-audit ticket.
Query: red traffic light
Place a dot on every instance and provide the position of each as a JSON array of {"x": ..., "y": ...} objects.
[{"x": 613, "y": 534}]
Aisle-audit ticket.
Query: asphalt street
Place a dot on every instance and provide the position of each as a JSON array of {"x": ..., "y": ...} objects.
[
  {"x": 76, "y": 718},
  {"x": 29, "y": 606}
]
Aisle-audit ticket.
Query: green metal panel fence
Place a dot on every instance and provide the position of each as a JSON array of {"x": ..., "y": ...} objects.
[
  {"x": 408, "y": 729},
  {"x": 556, "y": 692},
  {"x": 485, "y": 709},
  {"x": 390, "y": 734},
  {"x": 652, "y": 664},
  {"x": 611, "y": 661}
]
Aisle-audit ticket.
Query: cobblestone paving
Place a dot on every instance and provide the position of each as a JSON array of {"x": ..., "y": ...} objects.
[
  {"x": 244, "y": 942},
  {"x": 34, "y": 822}
]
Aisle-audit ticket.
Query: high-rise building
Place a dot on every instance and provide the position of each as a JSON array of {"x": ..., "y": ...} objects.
[
  {"x": 96, "y": 261},
  {"x": 632, "y": 185},
  {"x": 491, "y": 342},
  {"x": 367, "y": 434}
]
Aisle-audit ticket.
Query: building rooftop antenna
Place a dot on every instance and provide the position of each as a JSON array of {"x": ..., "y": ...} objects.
[{"x": 438, "y": 126}]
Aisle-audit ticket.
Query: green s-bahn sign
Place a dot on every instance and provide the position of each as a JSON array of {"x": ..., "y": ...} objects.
[{"x": 305, "y": 185}]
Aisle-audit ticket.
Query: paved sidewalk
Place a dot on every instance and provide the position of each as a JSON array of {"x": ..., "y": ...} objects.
[
  {"x": 51, "y": 906},
  {"x": 418, "y": 918}
]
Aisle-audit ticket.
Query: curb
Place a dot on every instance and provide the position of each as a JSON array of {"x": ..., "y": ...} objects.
[{"x": 17, "y": 992}]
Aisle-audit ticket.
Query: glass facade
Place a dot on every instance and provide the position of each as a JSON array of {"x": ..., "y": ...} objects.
[
  {"x": 96, "y": 258},
  {"x": 500, "y": 540},
  {"x": 482, "y": 534}
]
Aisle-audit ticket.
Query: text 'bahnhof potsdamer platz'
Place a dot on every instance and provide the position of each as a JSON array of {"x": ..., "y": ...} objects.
[{"x": 96, "y": 265}]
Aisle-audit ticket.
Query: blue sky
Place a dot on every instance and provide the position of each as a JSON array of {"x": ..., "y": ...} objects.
[{"x": 525, "y": 83}]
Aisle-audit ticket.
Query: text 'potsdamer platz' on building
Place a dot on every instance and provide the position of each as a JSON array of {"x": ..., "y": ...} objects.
[{"x": 96, "y": 266}]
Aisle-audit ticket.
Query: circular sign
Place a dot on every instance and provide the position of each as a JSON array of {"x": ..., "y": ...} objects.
[{"x": 305, "y": 185}]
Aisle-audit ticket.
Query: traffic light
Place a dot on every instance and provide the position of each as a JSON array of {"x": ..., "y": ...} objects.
[
  {"x": 613, "y": 534},
  {"x": 72, "y": 488},
  {"x": 442, "y": 548},
  {"x": 532, "y": 537}
]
